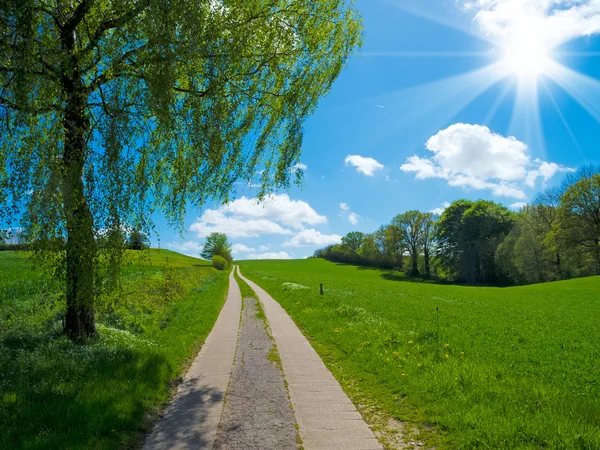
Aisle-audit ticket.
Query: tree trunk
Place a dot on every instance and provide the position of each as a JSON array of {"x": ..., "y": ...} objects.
[
  {"x": 81, "y": 245},
  {"x": 415, "y": 261},
  {"x": 597, "y": 255},
  {"x": 426, "y": 256}
]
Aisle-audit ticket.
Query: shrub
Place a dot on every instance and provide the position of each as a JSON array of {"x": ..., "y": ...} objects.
[{"x": 219, "y": 262}]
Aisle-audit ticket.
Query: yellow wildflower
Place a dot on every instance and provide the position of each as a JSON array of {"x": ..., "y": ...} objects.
[
  {"x": 461, "y": 355},
  {"x": 396, "y": 354},
  {"x": 447, "y": 356},
  {"x": 410, "y": 342},
  {"x": 446, "y": 345},
  {"x": 337, "y": 330}
]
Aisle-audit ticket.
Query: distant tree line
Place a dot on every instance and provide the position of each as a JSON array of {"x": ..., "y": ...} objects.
[{"x": 556, "y": 237}]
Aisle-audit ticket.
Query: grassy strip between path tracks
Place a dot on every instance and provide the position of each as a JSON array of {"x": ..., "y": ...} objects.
[
  {"x": 103, "y": 395},
  {"x": 474, "y": 367}
]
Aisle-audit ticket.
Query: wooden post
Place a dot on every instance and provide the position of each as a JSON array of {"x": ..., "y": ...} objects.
[{"x": 321, "y": 288}]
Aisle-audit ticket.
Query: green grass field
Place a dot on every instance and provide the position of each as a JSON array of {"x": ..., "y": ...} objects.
[
  {"x": 56, "y": 394},
  {"x": 489, "y": 368}
]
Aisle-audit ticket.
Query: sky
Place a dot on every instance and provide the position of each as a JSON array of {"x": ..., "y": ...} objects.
[{"x": 447, "y": 99}]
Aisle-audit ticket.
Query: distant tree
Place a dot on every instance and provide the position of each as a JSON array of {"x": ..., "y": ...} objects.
[
  {"x": 369, "y": 250},
  {"x": 468, "y": 235},
  {"x": 353, "y": 241},
  {"x": 580, "y": 217},
  {"x": 137, "y": 240},
  {"x": 429, "y": 232},
  {"x": 112, "y": 109},
  {"x": 217, "y": 244},
  {"x": 412, "y": 225}
]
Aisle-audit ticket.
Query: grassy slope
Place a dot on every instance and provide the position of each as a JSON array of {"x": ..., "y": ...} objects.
[
  {"x": 55, "y": 394},
  {"x": 514, "y": 368}
]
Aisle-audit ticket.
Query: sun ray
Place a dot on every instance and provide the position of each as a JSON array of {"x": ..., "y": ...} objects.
[
  {"x": 565, "y": 123},
  {"x": 430, "y": 54},
  {"x": 416, "y": 8},
  {"x": 426, "y": 108},
  {"x": 585, "y": 90},
  {"x": 525, "y": 121},
  {"x": 494, "y": 109}
]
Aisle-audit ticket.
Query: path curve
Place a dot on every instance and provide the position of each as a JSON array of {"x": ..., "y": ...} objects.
[
  {"x": 326, "y": 417},
  {"x": 192, "y": 419}
]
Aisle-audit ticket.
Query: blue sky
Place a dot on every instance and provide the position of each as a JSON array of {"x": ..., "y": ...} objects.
[{"x": 490, "y": 99}]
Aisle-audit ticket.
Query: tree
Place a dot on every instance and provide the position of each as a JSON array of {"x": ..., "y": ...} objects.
[
  {"x": 137, "y": 240},
  {"x": 468, "y": 236},
  {"x": 580, "y": 217},
  {"x": 411, "y": 224},
  {"x": 353, "y": 241},
  {"x": 217, "y": 244},
  {"x": 429, "y": 231},
  {"x": 110, "y": 110}
]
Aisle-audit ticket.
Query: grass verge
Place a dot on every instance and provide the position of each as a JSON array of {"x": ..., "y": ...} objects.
[{"x": 56, "y": 394}]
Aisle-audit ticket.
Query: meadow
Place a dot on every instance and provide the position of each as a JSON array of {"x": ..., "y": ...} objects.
[
  {"x": 471, "y": 367},
  {"x": 105, "y": 394}
]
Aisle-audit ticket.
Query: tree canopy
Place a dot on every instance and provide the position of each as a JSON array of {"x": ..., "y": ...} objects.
[
  {"x": 217, "y": 245},
  {"x": 111, "y": 110}
]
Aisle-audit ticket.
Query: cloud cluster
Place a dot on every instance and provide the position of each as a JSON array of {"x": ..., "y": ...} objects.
[
  {"x": 364, "y": 165},
  {"x": 472, "y": 156},
  {"x": 553, "y": 22},
  {"x": 348, "y": 214},
  {"x": 307, "y": 238},
  {"x": 274, "y": 255},
  {"x": 276, "y": 215},
  {"x": 247, "y": 217}
]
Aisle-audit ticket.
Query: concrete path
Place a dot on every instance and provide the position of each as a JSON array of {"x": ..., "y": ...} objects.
[
  {"x": 257, "y": 413},
  {"x": 192, "y": 419},
  {"x": 326, "y": 417}
]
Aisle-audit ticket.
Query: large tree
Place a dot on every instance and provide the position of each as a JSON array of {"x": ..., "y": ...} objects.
[
  {"x": 468, "y": 235},
  {"x": 216, "y": 244},
  {"x": 112, "y": 109},
  {"x": 580, "y": 217},
  {"x": 411, "y": 223}
]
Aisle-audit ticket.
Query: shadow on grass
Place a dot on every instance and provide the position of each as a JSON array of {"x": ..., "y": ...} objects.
[
  {"x": 391, "y": 275},
  {"x": 56, "y": 394}
]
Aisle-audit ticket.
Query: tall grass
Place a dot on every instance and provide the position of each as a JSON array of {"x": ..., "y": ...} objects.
[
  {"x": 56, "y": 394},
  {"x": 514, "y": 368}
]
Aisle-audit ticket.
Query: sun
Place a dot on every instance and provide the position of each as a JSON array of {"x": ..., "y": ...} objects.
[{"x": 526, "y": 56}]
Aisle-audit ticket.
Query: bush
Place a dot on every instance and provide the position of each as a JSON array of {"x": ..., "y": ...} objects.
[{"x": 219, "y": 262}]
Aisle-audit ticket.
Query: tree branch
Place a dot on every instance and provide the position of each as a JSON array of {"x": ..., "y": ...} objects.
[
  {"x": 82, "y": 9},
  {"x": 114, "y": 23}
]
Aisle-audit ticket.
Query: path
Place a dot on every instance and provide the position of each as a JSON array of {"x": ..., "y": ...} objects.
[
  {"x": 326, "y": 417},
  {"x": 192, "y": 419},
  {"x": 257, "y": 413}
]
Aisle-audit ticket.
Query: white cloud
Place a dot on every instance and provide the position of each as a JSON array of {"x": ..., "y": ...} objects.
[
  {"x": 366, "y": 166},
  {"x": 518, "y": 205},
  {"x": 379, "y": 106},
  {"x": 235, "y": 227},
  {"x": 247, "y": 217},
  {"x": 353, "y": 218},
  {"x": 549, "y": 22},
  {"x": 275, "y": 255},
  {"x": 298, "y": 166},
  {"x": 472, "y": 156},
  {"x": 241, "y": 248},
  {"x": 439, "y": 211},
  {"x": 312, "y": 237},
  {"x": 348, "y": 214},
  {"x": 264, "y": 248},
  {"x": 279, "y": 208},
  {"x": 189, "y": 248}
]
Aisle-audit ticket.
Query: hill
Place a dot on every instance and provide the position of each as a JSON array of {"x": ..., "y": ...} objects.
[
  {"x": 58, "y": 394},
  {"x": 512, "y": 368}
]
